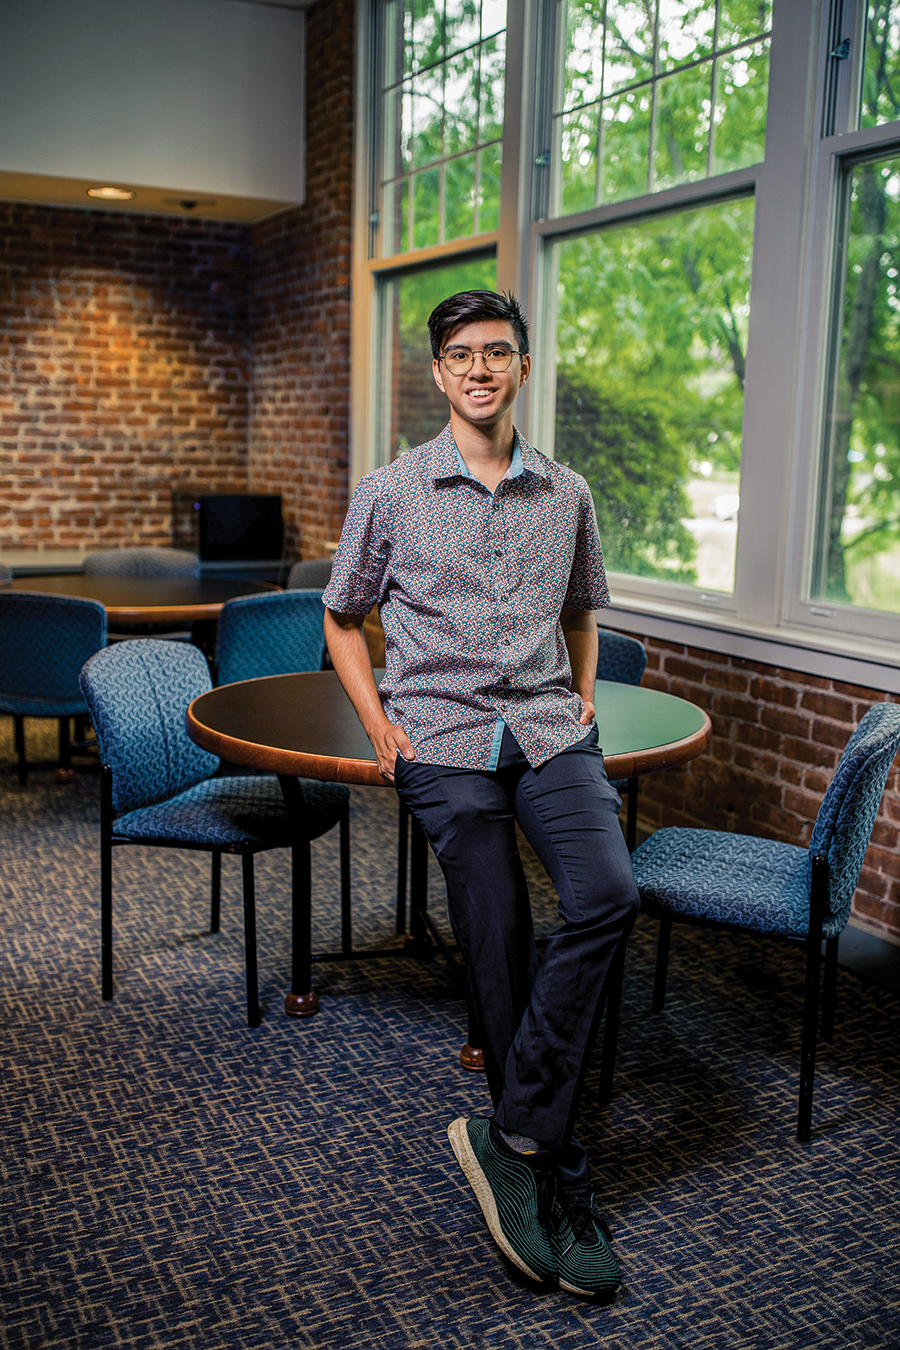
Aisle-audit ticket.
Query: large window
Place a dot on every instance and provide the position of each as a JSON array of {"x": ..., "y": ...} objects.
[
  {"x": 413, "y": 408},
  {"x": 443, "y": 69},
  {"x": 857, "y": 549},
  {"x": 651, "y": 342},
  {"x": 658, "y": 93},
  {"x": 698, "y": 202},
  {"x": 858, "y": 554}
]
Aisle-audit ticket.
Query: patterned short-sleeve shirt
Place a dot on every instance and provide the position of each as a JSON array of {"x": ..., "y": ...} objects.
[{"x": 470, "y": 585}]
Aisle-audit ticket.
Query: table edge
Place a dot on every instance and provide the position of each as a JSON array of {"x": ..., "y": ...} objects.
[
  {"x": 332, "y": 769},
  {"x": 209, "y": 609}
]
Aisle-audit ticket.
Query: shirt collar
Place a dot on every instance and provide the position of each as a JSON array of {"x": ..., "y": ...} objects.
[{"x": 447, "y": 462}]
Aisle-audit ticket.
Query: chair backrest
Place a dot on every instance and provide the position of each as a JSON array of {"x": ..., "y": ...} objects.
[
  {"x": 142, "y": 562},
  {"x": 620, "y": 659},
  {"x": 137, "y": 693},
  {"x": 44, "y": 642},
  {"x": 315, "y": 573},
  {"x": 5, "y": 574},
  {"x": 844, "y": 824},
  {"x": 275, "y": 634}
]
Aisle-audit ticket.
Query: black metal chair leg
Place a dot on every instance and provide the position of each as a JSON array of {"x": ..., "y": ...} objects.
[
  {"x": 818, "y": 894},
  {"x": 65, "y": 744},
  {"x": 106, "y": 929},
  {"x": 346, "y": 916},
  {"x": 302, "y": 1001},
  {"x": 662, "y": 964},
  {"x": 611, "y": 1027},
  {"x": 631, "y": 826},
  {"x": 402, "y": 856},
  {"x": 829, "y": 991},
  {"x": 250, "y": 940},
  {"x": 215, "y": 891},
  {"x": 19, "y": 736}
]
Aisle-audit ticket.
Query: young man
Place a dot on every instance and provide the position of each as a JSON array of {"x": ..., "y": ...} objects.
[{"x": 484, "y": 559}]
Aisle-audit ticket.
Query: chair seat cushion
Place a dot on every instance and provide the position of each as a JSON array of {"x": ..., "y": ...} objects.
[
  {"x": 225, "y": 811},
  {"x": 736, "y": 879}
]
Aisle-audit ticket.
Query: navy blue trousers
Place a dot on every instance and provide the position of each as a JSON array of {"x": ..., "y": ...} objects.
[{"x": 538, "y": 1021}]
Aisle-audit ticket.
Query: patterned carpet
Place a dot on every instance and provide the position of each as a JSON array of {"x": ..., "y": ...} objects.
[{"x": 174, "y": 1179}]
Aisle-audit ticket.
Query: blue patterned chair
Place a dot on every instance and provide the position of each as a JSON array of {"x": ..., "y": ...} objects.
[
  {"x": 142, "y": 562},
  {"x": 277, "y": 633},
  {"x": 158, "y": 787},
  {"x": 623, "y": 660},
  {"x": 775, "y": 889},
  {"x": 46, "y": 641},
  {"x": 314, "y": 574}
]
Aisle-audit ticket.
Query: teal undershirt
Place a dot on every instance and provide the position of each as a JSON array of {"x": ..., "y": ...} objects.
[{"x": 515, "y": 469}]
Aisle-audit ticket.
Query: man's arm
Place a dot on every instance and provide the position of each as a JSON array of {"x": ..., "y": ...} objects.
[
  {"x": 350, "y": 658},
  {"x": 580, "y": 635}
]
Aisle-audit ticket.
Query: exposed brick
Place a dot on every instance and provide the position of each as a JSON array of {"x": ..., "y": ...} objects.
[
  {"x": 828, "y": 705},
  {"x": 788, "y": 723},
  {"x": 684, "y": 670},
  {"x": 735, "y": 680},
  {"x": 182, "y": 353}
]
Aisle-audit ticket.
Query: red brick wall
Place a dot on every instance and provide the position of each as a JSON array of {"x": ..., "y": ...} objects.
[
  {"x": 777, "y": 736},
  {"x": 299, "y": 442},
  {"x": 123, "y": 369}
]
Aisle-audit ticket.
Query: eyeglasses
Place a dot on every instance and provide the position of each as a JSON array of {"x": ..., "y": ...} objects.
[{"x": 497, "y": 357}]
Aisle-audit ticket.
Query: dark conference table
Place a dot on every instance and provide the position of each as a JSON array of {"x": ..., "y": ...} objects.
[
  {"x": 304, "y": 726},
  {"x": 146, "y": 599}
]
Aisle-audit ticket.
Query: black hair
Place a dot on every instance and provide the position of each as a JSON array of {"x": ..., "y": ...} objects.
[{"x": 469, "y": 307}]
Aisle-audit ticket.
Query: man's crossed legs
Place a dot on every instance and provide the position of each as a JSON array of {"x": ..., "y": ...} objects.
[{"x": 538, "y": 1022}]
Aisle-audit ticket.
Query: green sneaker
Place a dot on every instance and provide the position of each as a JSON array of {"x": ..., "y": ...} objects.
[
  {"x": 515, "y": 1192},
  {"x": 580, "y": 1241}
]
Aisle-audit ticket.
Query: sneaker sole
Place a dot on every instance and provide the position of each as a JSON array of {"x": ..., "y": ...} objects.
[{"x": 481, "y": 1187}]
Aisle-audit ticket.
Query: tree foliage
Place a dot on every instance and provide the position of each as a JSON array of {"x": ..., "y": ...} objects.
[
  {"x": 860, "y": 526},
  {"x": 634, "y": 471},
  {"x": 651, "y": 334}
]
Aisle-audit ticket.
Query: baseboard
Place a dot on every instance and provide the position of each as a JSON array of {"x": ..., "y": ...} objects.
[{"x": 868, "y": 954}]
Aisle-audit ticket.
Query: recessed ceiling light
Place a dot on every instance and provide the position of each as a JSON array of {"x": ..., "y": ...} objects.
[{"x": 112, "y": 194}]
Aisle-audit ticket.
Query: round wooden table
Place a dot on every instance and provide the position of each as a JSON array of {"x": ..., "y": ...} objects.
[
  {"x": 304, "y": 726},
  {"x": 147, "y": 599}
]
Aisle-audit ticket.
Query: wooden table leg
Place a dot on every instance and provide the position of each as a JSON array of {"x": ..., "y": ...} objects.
[{"x": 303, "y": 1000}]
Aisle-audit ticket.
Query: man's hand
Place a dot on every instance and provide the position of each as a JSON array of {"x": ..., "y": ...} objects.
[
  {"x": 387, "y": 738},
  {"x": 350, "y": 658},
  {"x": 580, "y": 635}
]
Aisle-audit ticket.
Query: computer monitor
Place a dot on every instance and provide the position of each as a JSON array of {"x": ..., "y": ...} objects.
[{"x": 239, "y": 527}]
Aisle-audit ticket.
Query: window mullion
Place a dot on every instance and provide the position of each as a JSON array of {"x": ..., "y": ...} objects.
[{"x": 775, "y": 340}]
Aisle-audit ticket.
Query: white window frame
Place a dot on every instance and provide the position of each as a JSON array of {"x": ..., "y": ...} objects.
[{"x": 769, "y": 617}]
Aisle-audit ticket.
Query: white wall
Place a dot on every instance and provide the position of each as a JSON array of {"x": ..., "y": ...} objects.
[{"x": 195, "y": 95}]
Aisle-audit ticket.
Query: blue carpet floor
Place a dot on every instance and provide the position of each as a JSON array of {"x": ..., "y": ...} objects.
[{"x": 171, "y": 1178}]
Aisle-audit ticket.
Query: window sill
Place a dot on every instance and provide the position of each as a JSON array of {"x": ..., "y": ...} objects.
[{"x": 853, "y": 660}]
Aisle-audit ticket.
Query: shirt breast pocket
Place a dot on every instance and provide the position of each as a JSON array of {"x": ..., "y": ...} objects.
[{"x": 544, "y": 567}]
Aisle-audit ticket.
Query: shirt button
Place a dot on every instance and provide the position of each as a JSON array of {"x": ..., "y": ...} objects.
[
  {"x": 503, "y": 596},
  {"x": 506, "y": 642},
  {"x": 498, "y": 552},
  {"x": 505, "y": 679}
]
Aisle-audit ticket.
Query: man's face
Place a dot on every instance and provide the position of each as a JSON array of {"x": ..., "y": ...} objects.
[{"x": 481, "y": 396}]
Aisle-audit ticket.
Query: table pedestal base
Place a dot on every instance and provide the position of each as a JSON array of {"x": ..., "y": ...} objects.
[{"x": 301, "y": 1005}]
